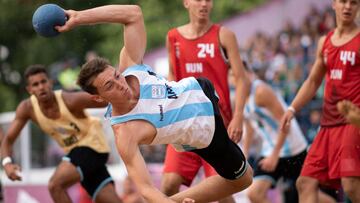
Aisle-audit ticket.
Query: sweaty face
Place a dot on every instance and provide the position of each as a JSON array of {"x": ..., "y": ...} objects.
[
  {"x": 346, "y": 10},
  {"x": 199, "y": 8},
  {"x": 40, "y": 86},
  {"x": 112, "y": 86}
]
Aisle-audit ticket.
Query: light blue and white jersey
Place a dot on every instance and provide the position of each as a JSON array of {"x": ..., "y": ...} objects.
[
  {"x": 180, "y": 111},
  {"x": 267, "y": 127}
]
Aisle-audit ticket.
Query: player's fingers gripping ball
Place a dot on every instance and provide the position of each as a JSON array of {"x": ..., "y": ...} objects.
[{"x": 46, "y": 17}]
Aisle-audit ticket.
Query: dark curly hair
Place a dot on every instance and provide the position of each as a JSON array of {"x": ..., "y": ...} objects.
[
  {"x": 34, "y": 69},
  {"x": 88, "y": 73}
]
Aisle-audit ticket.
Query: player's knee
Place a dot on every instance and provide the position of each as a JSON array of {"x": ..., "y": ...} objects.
[
  {"x": 305, "y": 183},
  {"x": 351, "y": 186},
  {"x": 246, "y": 180},
  {"x": 249, "y": 176},
  {"x": 55, "y": 185},
  {"x": 254, "y": 196}
]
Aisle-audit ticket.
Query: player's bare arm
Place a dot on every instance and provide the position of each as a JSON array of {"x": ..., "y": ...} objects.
[
  {"x": 242, "y": 83},
  {"x": 128, "y": 15},
  {"x": 78, "y": 101},
  {"x": 266, "y": 98},
  {"x": 128, "y": 138},
  {"x": 247, "y": 138},
  {"x": 21, "y": 117}
]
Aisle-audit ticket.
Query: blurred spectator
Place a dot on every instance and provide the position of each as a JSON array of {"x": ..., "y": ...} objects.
[
  {"x": 328, "y": 22},
  {"x": 68, "y": 75},
  {"x": 130, "y": 193},
  {"x": 294, "y": 80},
  {"x": 90, "y": 55},
  {"x": 313, "y": 129},
  {"x": 314, "y": 17},
  {"x": 284, "y": 59},
  {"x": 290, "y": 48},
  {"x": 67, "y": 78},
  {"x": 257, "y": 53},
  {"x": 64, "y": 74}
]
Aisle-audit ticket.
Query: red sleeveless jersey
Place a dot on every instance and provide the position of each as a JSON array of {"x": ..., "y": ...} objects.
[
  {"x": 342, "y": 77},
  {"x": 202, "y": 57}
]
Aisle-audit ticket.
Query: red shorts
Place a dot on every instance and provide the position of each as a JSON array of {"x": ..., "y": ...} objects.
[
  {"x": 186, "y": 164},
  {"x": 335, "y": 153}
]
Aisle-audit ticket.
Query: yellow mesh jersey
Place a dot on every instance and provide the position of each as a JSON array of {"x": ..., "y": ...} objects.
[{"x": 69, "y": 131}]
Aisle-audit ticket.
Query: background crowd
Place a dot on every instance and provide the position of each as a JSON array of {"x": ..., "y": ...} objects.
[{"x": 284, "y": 60}]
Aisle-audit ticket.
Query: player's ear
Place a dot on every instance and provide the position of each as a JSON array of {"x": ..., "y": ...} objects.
[
  {"x": 97, "y": 98},
  {"x": 28, "y": 88},
  {"x": 186, "y": 3},
  {"x": 333, "y": 4}
]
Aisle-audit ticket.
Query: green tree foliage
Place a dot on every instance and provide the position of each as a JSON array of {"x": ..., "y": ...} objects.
[{"x": 26, "y": 47}]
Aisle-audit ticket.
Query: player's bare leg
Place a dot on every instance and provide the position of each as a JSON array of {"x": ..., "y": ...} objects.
[
  {"x": 215, "y": 188},
  {"x": 107, "y": 194},
  {"x": 351, "y": 187},
  {"x": 308, "y": 189},
  {"x": 65, "y": 176},
  {"x": 170, "y": 183},
  {"x": 325, "y": 198},
  {"x": 257, "y": 192},
  {"x": 228, "y": 199}
]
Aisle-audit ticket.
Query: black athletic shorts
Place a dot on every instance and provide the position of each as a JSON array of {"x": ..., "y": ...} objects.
[
  {"x": 289, "y": 168},
  {"x": 92, "y": 168},
  {"x": 223, "y": 154}
]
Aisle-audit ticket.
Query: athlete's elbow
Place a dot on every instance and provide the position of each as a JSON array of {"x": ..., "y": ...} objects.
[
  {"x": 136, "y": 14},
  {"x": 148, "y": 192}
]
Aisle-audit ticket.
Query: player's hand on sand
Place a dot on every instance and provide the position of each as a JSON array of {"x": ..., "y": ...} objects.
[
  {"x": 350, "y": 111},
  {"x": 13, "y": 171},
  {"x": 188, "y": 200}
]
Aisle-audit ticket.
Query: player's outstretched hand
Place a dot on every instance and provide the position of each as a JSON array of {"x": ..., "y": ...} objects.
[{"x": 13, "y": 171}]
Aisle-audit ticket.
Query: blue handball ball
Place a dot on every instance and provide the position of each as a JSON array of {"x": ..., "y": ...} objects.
[{"x": 46, "y": 17}]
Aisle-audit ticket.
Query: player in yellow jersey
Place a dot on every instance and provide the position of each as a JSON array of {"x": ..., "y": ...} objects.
[{"x": 61, "y": 115}]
